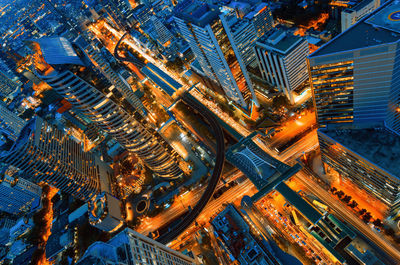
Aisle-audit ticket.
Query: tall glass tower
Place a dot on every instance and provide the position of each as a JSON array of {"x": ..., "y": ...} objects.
[{"x": 211, "y": 39}]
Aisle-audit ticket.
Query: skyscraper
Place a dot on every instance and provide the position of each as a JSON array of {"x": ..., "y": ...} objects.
[
  {"x": 161, "y": 33},
  {"x": 10, "y": 123},
  {"x": 65, "y": 68},
  {"x": 210, "y": 39},
  {"x": 282, "y": 60},
  {"x": 130, "y": 247},
  {"x": 356, "y": 83},
  {"x": 46, "y": 154},
  {"x": 243, "y": 34},
  {"x": 356, "y": 92}
]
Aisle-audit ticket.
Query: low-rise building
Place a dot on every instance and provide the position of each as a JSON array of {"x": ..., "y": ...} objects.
[
  {"x": 351, "y": 15},
  {"x": 105, "y": 212},
  {"x": 235, "y": 237}
]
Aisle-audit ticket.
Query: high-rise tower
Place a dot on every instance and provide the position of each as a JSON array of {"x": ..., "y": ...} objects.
[
  {"x": 68, "y": 71},
  {"x": 46, "y": 154},
  {"x": 356, "y": 91},
  {"x": 356, "y": 83},
  {"x": 209, "y": 36}
]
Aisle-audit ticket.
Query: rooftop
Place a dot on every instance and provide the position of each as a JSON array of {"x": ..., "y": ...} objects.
[
  {"x": 299, "y": 203},
  {"x": 280, "y": 41},
  {"x": 381, "y": 147},
  {"x": 196, "y": 12},
  {"x": 58, "y": 50},
  {"x": 163, "y": 80},
  {"x": 380, "y": 27}
]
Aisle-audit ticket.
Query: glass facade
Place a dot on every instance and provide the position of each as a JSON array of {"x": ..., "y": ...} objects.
[
  {"x": 231, "y": 59},
  {"x": 333, "y": 86}
]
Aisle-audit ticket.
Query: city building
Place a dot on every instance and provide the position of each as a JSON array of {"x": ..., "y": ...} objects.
[
  {"x": 130, "y": 247},
  {"x": 10, "y": 123},
  {"x": 243, "y": 34},
  {"x": 282, "y": 60},
  {"x": 8, "y": 85},
  {"x": 18, "y": 195},
  {"x": 238, "y": 240},
  {"x": 142, "y": 14},
  {"x": 261, "y": 18},
  {"x": 46, "y": 154},
  {"x": 22, "y": 227},
  {"x": 367, "y": 157},
  {"x": 5, "y": 225},
  {"x": 351, "y": 15},
  {"x": 355, "y": 83},
  {"x": 207, "y": 32},
  {"x": 161, "y": 34},
  {"x": 105, "y": 212},
  {"x": 98, "y": 54},
  {"x": 120, "y": 11},
  {"x": 59, "y": 65}
]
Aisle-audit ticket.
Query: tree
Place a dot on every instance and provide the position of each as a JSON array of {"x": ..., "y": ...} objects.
[
  {"x": 280, "y": 101},
  {"x": 175, "y": 65},
  {"x": 353, "y": 204},
  {"x": 363, "y": 211},
  {"x": 389, "y": 231},
  {"x": 367, "y": 217},
  {"x": 333, "y": 190},
  {"x": 346, "y": 199},
  {"x": 340, "y": 194},
  {"x": 377, "y": 222}
]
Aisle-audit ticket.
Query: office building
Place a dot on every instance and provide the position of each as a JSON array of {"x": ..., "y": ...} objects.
[
  {"x": 46, "y": 154},
  {"x": 59, "y": 65},
  {"x": 10, "y": 123},
  {"x": 209, "y": 37},
  {"x": 367, "y": 157},
  {"x": 5, "y": 225},
  {"x": 142, "y": 14},
  {"x": 238, "y": 239},
  {"x": 351, "y": 15},
  {"x": 356, "y": 93},
  {"x": 120, "y": 11},
  {"x": 161, "y": 34},
  {"x": 18, "y": 195},
  {"x": 282, "y": 60},
  {"x": 130, "y": 247},
  {"x": 243, "y": 34},
  {"x": 261, "y": 18},
  {"x": 356, "y": 83}
]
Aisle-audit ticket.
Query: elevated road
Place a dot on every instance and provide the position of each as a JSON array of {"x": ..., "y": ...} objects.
[
  {"x": 219, "y": 162},
  {"x": 215, "y": 177}
]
